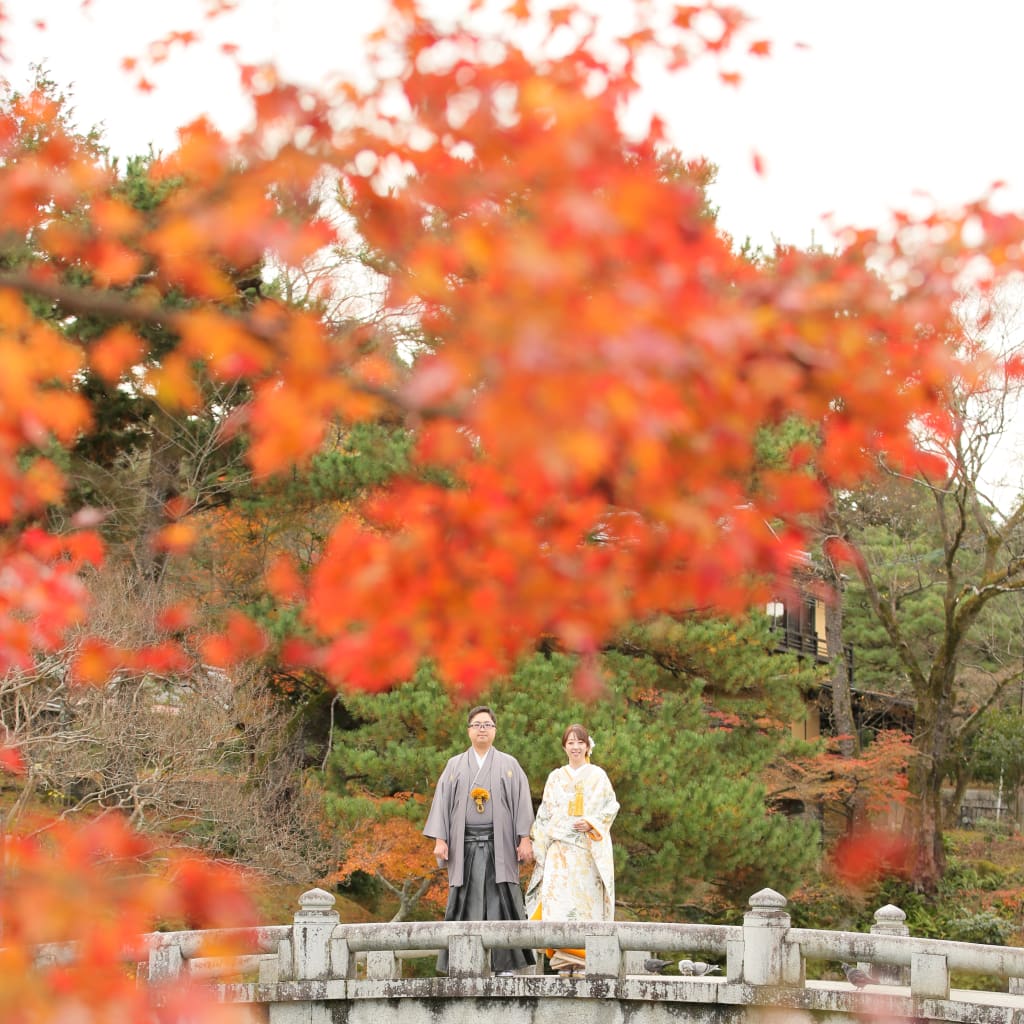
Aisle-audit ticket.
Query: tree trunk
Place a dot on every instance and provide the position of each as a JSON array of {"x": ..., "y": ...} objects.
[
  {"x": 929, "y": 859},
  {"x": 408, "y": 897},
  {"x": 161, "y": 485},
  {"x": 924, "y": 825},
  {"x": 951, "y": 814}
]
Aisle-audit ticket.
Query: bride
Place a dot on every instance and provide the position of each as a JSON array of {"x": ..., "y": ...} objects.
[{"x": 574, "y": 876}]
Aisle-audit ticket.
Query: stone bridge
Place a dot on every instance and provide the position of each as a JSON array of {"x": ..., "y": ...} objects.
[{"x": 317, "y": 971}]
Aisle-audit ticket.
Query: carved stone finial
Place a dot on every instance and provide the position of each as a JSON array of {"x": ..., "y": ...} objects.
[
  {"x": 316, "y": 899},
  {"x": 767, "y": 899},
  {"x": 313, "y": 927},
  {"x": 890, "y": 914}
]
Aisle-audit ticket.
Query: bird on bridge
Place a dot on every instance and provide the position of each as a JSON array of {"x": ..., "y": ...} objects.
[
  {"x": 655, "y": 966},
  {"x": 696, "y": 968},
  {"x": 858, "y": 977}
]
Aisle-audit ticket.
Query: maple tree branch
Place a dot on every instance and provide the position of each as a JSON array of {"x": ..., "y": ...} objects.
[
  {"x": 970, "y": 724},
  {"x": 888, "y": 621},
  {"x": 390, "y": 886},
  {"x": 93, "y": 302},
  {"x": 407, "y": 901}
]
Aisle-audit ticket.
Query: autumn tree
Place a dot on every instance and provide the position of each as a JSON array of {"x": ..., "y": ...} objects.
[
  {"x": 583, "y": 420},
  {"x": 385, "y": 843},
  {"x": 939, "y": 572},
  {"x": 856, "y": 793},
  {"x": 608, "y": 509}
]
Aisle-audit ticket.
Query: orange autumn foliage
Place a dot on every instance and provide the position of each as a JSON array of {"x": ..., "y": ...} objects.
[
  {"x": 608, "y": 352},
  {"x": 93, "y": 890},
  {"x": 869, "y": 786},
  {"x": 241, "y": 639},
  {"x": 863, "y": 857},
  {"x": 596, "y": 363},
  {"x": 42, "y": 594},
  {"x": 392, "y": 849},
  {"x": 863, "y": 793}
]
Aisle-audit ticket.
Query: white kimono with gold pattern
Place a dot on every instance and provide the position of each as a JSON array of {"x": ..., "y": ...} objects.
[{"x": 574, "y": 876}]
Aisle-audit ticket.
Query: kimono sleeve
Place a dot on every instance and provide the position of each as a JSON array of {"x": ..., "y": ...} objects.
[
  {"x": 542, "y": 823},
  {"x": 522, "y": 803},
  {"x": 438, "y": 820},
  {"x": 605, "y": 808}
]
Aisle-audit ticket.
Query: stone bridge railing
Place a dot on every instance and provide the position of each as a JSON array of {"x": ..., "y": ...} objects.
[{"x": 318, "y": 971}]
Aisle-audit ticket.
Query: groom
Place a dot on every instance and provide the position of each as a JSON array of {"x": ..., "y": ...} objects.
[{"x": 480, "y": 820}]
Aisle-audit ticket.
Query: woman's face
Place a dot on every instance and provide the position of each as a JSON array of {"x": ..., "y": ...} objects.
[{"x": 576, "y": 750}]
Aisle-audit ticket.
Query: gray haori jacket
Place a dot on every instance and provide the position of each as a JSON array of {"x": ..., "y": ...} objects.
[{"x": 511, "y": 806}]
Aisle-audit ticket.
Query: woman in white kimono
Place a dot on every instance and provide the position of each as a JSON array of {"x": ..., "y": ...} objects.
[{"x": 574, "y": 877}]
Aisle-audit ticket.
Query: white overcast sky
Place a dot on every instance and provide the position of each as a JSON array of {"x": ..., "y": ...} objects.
[
  {"x": 890, "y": 98},
  {"x": 883, "y": 105}
]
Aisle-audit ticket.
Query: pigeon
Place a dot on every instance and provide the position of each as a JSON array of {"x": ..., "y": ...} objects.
[
  {"x": 856, "y": 977},
  {"x": 696, "y": 968},
  {"x": 655, "y": 966}
]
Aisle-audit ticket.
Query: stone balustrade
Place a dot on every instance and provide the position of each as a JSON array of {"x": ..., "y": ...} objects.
[{"x": 297, "y": 973}]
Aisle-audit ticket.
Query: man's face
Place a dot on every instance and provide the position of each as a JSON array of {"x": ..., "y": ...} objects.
[{"x": 481, "y": 732}]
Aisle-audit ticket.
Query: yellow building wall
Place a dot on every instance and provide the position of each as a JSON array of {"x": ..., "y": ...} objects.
[
  {"x": 809, "y": 726},
  {"x": 819, "y": 627}
]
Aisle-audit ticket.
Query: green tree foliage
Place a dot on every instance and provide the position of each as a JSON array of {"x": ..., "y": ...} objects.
[
  {"x": 998, "y": 747},
  {"x": 731, "y": 660},
  {"x": 899, "y": 531},
  {"x": 996, "y": 752}
]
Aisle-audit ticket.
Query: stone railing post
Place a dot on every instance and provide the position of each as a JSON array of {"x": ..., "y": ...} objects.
[
  {"x": 633, "y": 960},
  {"x": 929, "y": 976},
  {"x": 273, "y": 971},
  {"x": 311, "y": 936},
  {"x": 603, "y": 955},
  {"x": 283, "y": 968},
  {"x": 467, "y": 957},
  {"x": 768, "y": 956},
  {"x": 343, "y": 963},
  {"x": 889, "y": 920},
  {"x": 734, "y": 961},
  {"x": 165, "y": 962},
  {"x": 382, "y": 965}
]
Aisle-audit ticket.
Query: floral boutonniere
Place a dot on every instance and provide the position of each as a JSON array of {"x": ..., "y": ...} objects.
[{"x": 480, "y": 797}]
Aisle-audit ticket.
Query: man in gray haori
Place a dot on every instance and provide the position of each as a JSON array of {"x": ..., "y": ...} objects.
[{"x": 481, "y": 818}]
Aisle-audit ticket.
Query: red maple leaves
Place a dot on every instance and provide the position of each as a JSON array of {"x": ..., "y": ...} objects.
[
  {"x": 596, "y": 360},
  {"x": 92, "y": 891}
]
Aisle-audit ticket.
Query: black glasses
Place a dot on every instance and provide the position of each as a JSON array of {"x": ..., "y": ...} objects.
[{"x": 481, "y": 725}]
